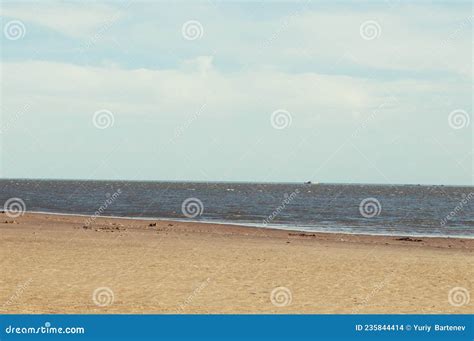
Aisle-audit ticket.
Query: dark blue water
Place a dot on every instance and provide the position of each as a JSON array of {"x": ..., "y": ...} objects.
[{"x": 388, "y": 209}]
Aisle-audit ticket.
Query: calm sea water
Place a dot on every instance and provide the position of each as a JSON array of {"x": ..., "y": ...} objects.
[{"x": 372, "y": 209}]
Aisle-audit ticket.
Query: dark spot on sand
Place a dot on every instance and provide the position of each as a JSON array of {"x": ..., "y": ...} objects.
[
  {"x": 152, "y": 224},
  {"x": 302, "y": 234},
  {"x": 409, "y": 239}
]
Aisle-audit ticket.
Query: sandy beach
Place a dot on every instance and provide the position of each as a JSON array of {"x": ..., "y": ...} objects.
[{"x": 70, "y": 264}]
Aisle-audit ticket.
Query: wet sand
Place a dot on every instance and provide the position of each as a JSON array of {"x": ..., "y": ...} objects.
[{"x": 63, "y": 264}]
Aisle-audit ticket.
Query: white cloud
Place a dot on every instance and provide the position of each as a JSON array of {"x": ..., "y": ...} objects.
[
  {"x": 71, "y": 19},
  {"x": 319, "y": 39},
  {"x": 300, "y": 60},
  {"x": 441, "y": 42},
  {"x": 67, "y": 89},
  {"x": 251, "y": 60}
]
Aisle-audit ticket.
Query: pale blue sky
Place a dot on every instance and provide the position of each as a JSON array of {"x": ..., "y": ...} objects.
[{"x": 375, "y": 93}]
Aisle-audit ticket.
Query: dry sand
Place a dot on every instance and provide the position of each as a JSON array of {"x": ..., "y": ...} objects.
[{"x": 52, "y": 264}]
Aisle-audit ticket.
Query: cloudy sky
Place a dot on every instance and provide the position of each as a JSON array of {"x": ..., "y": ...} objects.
[{"x": 241, "y": 91}]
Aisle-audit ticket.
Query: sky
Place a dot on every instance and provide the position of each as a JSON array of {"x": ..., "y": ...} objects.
[{"x": 338, "y": 92}]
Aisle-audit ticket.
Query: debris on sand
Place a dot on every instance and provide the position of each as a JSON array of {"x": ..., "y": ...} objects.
[
  {"x": 302, "y": 234},
  {"x": 110, "y": 228},
  {"x": 409, "y": 239}
]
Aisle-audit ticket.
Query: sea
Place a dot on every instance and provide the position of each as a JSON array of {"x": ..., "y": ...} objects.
[{"x": 399, "y": 210}]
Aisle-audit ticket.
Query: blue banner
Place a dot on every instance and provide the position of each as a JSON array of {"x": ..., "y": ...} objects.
[{"x": 238, "y": 327}]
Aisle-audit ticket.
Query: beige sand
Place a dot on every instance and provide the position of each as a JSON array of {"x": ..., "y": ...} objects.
[{"x": 52, "y": 264}]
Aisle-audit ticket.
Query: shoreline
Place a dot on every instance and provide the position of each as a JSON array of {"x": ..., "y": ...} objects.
[
  {"x": 255, "y": 225},
  {"x": 57, "y": 264},
  {"x": 205, "y": 228}
]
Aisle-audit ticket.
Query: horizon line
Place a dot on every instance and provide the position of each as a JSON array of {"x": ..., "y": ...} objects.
[{"x": 303, "y": 182}]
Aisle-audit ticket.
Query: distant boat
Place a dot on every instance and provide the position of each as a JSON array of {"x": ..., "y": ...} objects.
[{"x": 311, "y": 183}]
